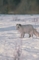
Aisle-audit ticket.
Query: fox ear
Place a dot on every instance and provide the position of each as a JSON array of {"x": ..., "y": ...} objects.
[{"x": 19, "y": 24}]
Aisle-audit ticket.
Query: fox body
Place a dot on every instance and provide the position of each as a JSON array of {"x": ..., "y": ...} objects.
[{"x": 29, "y": 29}]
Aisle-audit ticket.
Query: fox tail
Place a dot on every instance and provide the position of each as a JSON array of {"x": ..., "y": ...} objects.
[{"x": 36, "y": 33}]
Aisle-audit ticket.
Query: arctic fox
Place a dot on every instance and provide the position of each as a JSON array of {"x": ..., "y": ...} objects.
[{"x": 29, "y": 29}]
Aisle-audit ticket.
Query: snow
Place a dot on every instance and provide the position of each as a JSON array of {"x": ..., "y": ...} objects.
[{"x": 11, "y": 46}]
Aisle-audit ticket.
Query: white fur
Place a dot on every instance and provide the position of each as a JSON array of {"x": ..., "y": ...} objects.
[{"x": 26, "y": 29}]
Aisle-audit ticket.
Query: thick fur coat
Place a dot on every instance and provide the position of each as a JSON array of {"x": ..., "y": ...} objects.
[{"x": 29, "y": 29}]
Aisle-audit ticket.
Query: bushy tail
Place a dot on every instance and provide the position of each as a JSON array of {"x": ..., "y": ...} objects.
[{"x": 36, "y": 33}]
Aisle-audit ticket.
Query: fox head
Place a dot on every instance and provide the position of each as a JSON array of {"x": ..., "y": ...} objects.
[{"x": 18, "y": 26}]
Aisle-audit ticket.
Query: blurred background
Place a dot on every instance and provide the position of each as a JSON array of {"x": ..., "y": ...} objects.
[{"x": 19, "y": 6}]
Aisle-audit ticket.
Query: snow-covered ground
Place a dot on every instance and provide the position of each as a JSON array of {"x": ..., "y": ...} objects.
[{"x": 11, "y": 45}]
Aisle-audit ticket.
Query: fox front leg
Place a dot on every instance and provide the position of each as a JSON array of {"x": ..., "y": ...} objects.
[
  {"x": 22, "y": 35},
  {"x": 29, "y": 35}
]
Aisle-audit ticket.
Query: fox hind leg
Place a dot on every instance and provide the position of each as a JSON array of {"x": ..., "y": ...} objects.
[{"x": 30, "y": 35}]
